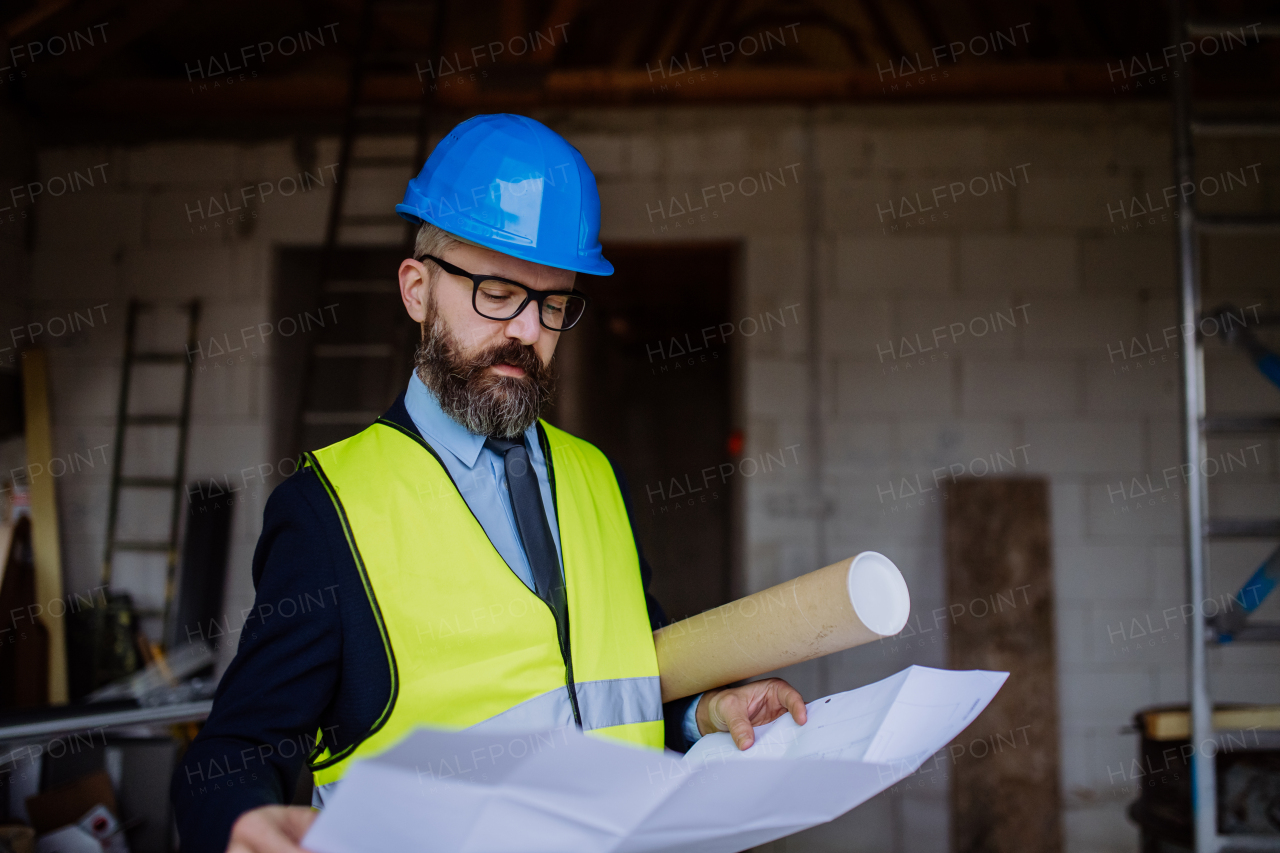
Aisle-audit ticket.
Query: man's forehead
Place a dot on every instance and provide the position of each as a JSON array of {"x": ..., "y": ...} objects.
[{"x": 482, "y": 261}]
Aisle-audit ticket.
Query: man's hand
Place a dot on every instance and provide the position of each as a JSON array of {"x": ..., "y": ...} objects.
[
  {"x": 271, "y": 829},
  {"x": 736, "y": 709}
]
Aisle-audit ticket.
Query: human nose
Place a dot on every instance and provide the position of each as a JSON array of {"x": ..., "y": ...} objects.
[{"x": 525, "y": 327}]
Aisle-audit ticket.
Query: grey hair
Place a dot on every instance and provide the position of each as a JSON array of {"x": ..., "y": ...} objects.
[{"x": 432, "y": 241}]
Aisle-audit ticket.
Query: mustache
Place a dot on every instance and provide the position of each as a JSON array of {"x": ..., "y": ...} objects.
[
  {"x": 508, "y": 352},
  {"x": 485, "y": 403}
]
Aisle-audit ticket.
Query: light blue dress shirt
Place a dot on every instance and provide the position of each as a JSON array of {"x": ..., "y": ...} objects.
[{"x": 481, "y": 476}]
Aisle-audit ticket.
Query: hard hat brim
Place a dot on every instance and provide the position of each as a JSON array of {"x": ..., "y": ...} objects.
[{"x": 597, "y": 266}]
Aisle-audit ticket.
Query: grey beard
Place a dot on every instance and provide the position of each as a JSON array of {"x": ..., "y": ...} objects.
[{"x": 499, "y": 406}]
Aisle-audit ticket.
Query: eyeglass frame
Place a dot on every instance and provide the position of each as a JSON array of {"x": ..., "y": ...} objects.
[{"x": 529, "y": 293}]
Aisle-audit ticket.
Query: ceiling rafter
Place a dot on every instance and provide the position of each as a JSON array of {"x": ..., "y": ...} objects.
[
  {"x": 606, "y": 57},
  {"x": 884, "y": 31},
  {"x": 848, "y": 36}
]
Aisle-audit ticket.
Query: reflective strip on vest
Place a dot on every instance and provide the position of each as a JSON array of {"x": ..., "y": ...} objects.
[
  {"x": 468, "y": 643},
  {"x": 551, "y": 710},
  {"x": 610, "y": 702},
  {"x": 619, "y": 702}
]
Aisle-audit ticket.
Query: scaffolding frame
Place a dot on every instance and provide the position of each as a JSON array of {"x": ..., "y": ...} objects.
[{"x": 1200, "y": 527}]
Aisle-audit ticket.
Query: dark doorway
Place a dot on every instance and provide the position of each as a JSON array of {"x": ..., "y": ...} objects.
[{"x": 646, "y": 377}]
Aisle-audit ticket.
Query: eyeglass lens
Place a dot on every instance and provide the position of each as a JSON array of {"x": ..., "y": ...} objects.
[{"x": 498, "y": 300}]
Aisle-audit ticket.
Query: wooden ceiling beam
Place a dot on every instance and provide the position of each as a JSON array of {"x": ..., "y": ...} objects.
[
  {"x": 313, "y": 96},
  {"x": 885, "y": 33},
  {"x": 561, "y": 12}
]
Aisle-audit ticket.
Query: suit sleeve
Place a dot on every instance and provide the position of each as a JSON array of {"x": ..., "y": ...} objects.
[
  {"x": 673, "y": 713},
  {"x": 269, "y": 705}
]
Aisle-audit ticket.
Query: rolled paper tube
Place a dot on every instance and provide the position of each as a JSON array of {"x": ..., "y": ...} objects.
[{"x": 846, "y": 604}]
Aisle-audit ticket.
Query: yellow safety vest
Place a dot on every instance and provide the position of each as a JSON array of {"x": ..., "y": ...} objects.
[{"x": 469, "y": 645}]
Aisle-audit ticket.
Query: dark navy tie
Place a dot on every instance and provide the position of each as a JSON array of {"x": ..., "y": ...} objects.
[{"x": 535, "y": 534}]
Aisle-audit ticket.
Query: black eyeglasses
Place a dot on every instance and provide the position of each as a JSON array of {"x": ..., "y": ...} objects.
[{"x": 502, "y": 299}]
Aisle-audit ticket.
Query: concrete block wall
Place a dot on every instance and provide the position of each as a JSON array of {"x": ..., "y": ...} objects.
[{"x": 1044, "y": 289}]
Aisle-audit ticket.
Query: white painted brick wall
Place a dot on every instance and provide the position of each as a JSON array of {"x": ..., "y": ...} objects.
[
  {"x": 1152, "y": 508},
  {"x": 1065, "y": 202},
  {"x": 1080, "y": 323},
  {"x": 776, "y": 387},
  {"x": 849, "y": 322},
  {"x": 919, "y": 264},
  {"x": 957, "y": 325},
  {"x": 872, "y": 388},
  {"x": 1035, "y": 386},
  {"x": 861, "y": 454},
  {"x": 860, "y": 202},
  {"x": 1155, "y": 389},
  {"x": 908, "y": 149},
  {"x": 606, "y": 154},
  {"x": 1068, "y": 445},
  {"x": 1129, "y": 262},
  {"x": 1022, "y": 264},
  {"x": 106, "y": 219},
  {"x": 1087, "y": 573}
]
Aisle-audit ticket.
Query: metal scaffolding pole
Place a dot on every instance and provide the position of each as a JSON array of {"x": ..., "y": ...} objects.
[{"x": 1204, "y": 794}]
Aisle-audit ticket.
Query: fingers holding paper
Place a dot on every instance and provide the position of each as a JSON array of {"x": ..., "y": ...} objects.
[
  {"x": 271, "y": 829},
  {"x": 737, "y": 710}
]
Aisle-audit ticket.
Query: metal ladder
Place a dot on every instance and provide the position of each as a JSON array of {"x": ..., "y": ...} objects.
[
  {"x": 337, "y": 361},
  {"x": 1200, "y": 526},
  {"x": 179, "y": 420}
]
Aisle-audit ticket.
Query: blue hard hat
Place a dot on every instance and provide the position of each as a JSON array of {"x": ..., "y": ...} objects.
[{"x": 514, "y": 185}]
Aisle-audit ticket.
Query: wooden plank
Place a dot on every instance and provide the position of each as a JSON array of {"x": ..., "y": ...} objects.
[
  {"x": 1175, "y": 723},
  {"x": 1005, "y": 792},
  {"x": 44, "y": 515}
]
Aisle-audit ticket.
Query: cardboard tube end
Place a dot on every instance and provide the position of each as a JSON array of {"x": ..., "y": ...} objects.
[{"x": 878, "y": 593}]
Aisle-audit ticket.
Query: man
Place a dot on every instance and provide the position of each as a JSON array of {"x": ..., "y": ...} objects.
[{"x": 473, "y": 565}]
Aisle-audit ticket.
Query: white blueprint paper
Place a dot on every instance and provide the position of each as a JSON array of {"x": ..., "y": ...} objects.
[{"x": 562, "y": 792}]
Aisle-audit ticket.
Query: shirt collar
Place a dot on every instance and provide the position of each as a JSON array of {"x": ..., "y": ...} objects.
[{"x": 439, "y": 429}]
